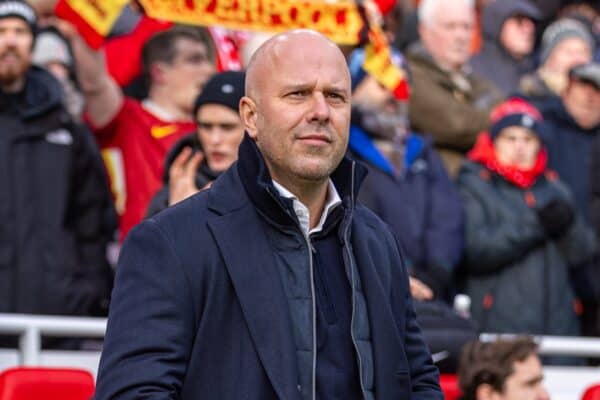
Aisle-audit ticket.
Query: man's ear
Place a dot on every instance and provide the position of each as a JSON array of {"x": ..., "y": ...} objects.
[
  {"x": 486, "y": 392},
  {"x": 248, "y": 115},
  {"x": 157, "y": 72}
]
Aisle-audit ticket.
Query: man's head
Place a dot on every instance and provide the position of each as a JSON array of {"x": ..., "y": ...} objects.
[
  {"x": 582, "y": 95},
  {"x": 501, "y": 370},
  {"x": 179, "y": 62},
  {"x": 297, "y": 106},
  {"x": 517, "y": 33},
  {"x": 565, "y": 44},
  {"x": 17, "y": 29},
  {"x": 380, "y": 113},
  {"x": 446, "y": 29},
  {"x": 219, "y": 127},
  {"x": 516, "y": 130}
]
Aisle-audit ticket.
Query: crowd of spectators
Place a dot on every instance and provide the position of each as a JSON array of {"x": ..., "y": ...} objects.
[{"x": 489, "y": 175}]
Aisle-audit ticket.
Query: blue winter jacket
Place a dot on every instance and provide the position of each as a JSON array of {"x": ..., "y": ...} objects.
[{"x": 422, "y": 206}]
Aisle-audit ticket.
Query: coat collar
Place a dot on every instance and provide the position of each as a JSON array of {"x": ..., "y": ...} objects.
[{"x": 251, "y": 170}]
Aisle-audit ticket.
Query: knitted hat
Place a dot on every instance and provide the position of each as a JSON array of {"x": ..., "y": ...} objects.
[
  {"x": 515, "y": 112},
  {"x": 19, "y": 9},
  {"x": 561, "y": 30},
  {"x": 225, "y": 88},
  {"x": 50, "y": 46},
  {"x": 589, "y": 73}
]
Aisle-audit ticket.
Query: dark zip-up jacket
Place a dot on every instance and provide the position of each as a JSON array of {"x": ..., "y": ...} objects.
[
  {"x": 200, "y": 304},
  {"x": 55, "y": 207},
  {"x": 518, "y": 277}
]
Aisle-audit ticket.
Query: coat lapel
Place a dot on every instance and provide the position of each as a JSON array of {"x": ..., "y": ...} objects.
[{"x": 252, "y": 268}]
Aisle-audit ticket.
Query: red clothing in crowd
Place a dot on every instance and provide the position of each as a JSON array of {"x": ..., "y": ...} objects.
[{"x": 134, "y": 146}]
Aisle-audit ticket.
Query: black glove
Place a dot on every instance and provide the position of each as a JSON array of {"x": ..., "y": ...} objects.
[{"x": 556, "y": 218}]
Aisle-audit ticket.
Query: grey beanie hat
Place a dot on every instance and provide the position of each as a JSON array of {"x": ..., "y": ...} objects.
[{"x": 561, "y": 30}]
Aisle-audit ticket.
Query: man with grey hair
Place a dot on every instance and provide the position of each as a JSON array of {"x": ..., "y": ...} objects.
[
  {"x": 274, "y": 283},
  {"x": 447, "y": 101}
]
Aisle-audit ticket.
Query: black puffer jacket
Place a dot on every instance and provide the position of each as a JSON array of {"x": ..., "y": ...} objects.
[
  {"x": 56, "y": 211},
  {"x": 517, "y": 277},
  {"x": 204, "y": 175}
]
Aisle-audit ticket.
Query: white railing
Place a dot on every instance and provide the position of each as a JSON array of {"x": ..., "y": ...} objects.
[
  {"x": 31, "y": 328},
  {"x": 557, "y": 345}
]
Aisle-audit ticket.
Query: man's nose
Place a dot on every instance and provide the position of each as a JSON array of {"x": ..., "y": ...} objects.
[
  {"x": 542, "y": 394},
  {"x": 319, "y": 108}
]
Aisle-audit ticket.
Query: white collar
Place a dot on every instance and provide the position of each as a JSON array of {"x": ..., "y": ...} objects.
[
  {"x": 333, "y": 200},
  {"x": 158, "y": 111}
]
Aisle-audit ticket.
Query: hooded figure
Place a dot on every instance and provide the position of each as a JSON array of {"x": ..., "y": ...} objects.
[
  {"x": 523, "y": 234},
  {"x": 508, "y": 42}
]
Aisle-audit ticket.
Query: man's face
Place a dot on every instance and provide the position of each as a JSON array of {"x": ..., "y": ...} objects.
[
  {"x": 517, "y": 146},
  {"x": 299, "y": 113},
  {"x": 448, "y": 35},
  {"x": 16, "y": 42},
  {"x": 518, "y": 36},
  {"x": 568, "y": 53},
  {"x": 525, "y": 383},
  {"x": 189, "y": 71},
  {"x": 220, "y": 132},
  {"x": 582, "y": 100}
]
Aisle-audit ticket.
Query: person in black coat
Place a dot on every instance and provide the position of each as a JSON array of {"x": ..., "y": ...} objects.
[
  {"x": 55, "y": 206},
  {"x": 199, "y": 158},
  {"x": 274, "y": 283}
]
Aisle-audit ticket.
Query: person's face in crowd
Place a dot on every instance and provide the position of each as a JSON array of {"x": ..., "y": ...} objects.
[
  {"x": 220, "y": 132},
  {"x": 16, "y": 42},
  {"x": 187, "y": 74},
  {"x": 297, "y": 107},
  {"x": 517, "y": 36},
  {"x": 525, "y": 383},
  {"x": 582, "y": 100},
  {"x": 568, "y": 53},
  {"x": 372, "y": 97},
  {"x": 448, "y": 35},
  {"x": 517, "y": 146}
]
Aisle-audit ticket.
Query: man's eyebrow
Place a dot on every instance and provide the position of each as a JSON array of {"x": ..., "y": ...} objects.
[{"x": 534, "y": 380}]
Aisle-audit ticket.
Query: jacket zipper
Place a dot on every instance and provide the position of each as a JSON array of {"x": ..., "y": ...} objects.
[
  {"x": 350, "y": 259},
  {"x": 314, "y": 305},
  {"x": 314, "y": 316}
]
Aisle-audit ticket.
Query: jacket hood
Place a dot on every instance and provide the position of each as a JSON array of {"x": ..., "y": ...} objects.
[
  {"x": 498, "y": 11},
  {"x": 42, "y": 93},
  {"x": 204, "y": 174}
]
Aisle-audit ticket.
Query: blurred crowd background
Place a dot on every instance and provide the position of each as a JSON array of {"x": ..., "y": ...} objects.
[{"x": 487, "y": 169}]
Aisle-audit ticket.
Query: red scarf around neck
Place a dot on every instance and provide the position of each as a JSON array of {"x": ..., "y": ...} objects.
[{"x": 484, "y": 153}]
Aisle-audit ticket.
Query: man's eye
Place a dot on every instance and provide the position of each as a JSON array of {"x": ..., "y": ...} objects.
[
  {"x": 336, "y": 96},
  {"x": 298, "y": 93}
]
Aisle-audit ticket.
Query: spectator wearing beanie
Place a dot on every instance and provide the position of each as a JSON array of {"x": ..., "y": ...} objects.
[
  {"x": 565, "y": 44},
  {"x": 522, "y": 231},
  {"x": 199, "y": 158}
]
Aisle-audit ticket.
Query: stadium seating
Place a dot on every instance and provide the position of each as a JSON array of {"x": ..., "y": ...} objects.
[
  {"x": 592, "y": 393},
  {"x": 46, "y": 384},
  {"x": 449, "y": 384}
]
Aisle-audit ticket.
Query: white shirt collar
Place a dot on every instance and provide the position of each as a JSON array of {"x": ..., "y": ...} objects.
[{"x": 333, "y": 200}]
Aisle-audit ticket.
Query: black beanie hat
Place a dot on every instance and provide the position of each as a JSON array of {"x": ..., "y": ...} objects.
[
  {"x": 225, "y": 88},
  {"x": 515, "y": 111},
  {"x": 19, "y": 9}
]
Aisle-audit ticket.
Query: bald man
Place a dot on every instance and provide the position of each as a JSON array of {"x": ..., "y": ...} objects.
[{"x": 274, "y": 283}]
